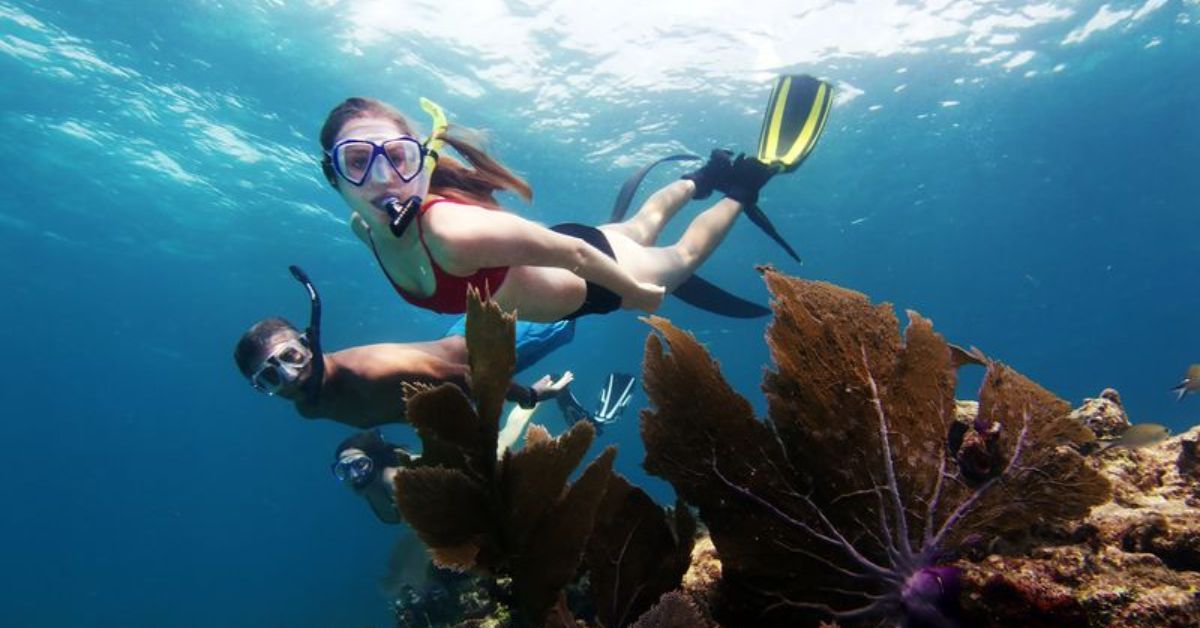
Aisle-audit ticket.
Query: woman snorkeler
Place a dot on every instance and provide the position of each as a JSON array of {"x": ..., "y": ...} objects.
[{"x": 435, "y": 227}]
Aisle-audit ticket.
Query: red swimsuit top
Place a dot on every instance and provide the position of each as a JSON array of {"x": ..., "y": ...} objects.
[{"x": 450, "y": 291}]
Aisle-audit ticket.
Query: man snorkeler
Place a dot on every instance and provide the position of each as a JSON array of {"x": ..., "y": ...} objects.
[{"x": 364, "y": 386}]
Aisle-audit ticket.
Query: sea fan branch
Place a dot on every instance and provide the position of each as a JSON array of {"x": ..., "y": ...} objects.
[
  {"x": 966, "y": 506},
  {"x": 905, "y": 545},
  {"x": 839, "y": 541}
]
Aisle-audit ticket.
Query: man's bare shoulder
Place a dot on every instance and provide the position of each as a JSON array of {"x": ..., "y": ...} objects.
[{"x": 395, "y": 360}]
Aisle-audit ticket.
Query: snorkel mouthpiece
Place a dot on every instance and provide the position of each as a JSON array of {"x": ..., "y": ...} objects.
[{"x": 400, "y": 214}]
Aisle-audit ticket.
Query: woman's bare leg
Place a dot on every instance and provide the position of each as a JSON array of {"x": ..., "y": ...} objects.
[
  {"x": 645, "y": 226},
  {"x": 670, "y": 266}
]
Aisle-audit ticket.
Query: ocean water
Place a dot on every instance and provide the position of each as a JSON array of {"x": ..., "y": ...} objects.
[{"x": 1022, "y": 173}]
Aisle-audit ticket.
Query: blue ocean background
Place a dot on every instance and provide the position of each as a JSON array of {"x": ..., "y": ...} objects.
[{"x": 1022, "y": 173}]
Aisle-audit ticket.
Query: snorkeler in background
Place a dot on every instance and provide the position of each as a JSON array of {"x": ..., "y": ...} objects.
[
  {"x": 367, "y": 464},
  {"x": 364, "y": 386}
]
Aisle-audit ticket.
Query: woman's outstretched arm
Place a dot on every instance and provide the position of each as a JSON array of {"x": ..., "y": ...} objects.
[{"x": 465, "y": 238}]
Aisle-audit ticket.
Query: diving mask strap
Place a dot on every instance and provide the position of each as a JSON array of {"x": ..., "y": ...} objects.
[{"x": 312, "y": 388}]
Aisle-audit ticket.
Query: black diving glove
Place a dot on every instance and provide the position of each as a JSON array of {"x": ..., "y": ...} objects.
[
  {"x": 713, "y": 175},
  {"x": 746, "y": 177}
]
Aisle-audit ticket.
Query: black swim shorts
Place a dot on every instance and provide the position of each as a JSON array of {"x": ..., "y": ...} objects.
[{"x": 599, "y": 300}]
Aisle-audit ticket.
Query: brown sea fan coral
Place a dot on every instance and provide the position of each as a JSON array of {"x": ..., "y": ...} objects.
[
  {"x": 844, "y": 503},
  {"x": 637, "y": 552},
  {"x": 514, "y": 516}
]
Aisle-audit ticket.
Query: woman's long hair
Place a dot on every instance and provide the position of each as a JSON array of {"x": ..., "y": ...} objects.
[{"x": 452, "y": 179}]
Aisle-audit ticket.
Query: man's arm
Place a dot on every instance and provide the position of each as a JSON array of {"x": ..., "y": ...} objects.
[
  {"x": 541, "y": 390},
  {"x": 519, "y": 417}
]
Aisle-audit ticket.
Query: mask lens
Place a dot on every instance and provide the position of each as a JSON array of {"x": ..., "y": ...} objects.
[
  {"x": 270, "y": 377},
  {"x": 405, "y": 156},
  {"x": 292, "y": 355},
  {"x": 267, "y": 378},
  {"x": 353, "y": 160}
]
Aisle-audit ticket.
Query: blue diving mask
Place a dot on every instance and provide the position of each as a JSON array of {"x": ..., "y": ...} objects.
[{"x": 354, "y": 160}]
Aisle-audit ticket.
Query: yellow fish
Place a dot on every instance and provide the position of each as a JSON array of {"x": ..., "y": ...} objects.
[{"x": 1190, "y": 383}]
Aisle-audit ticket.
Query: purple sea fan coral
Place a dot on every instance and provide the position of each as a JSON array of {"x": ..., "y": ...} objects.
[{"x": 844, "y": 502}]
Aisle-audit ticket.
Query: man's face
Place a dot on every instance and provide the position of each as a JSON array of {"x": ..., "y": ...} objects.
[{"x": 284, "y": 365}]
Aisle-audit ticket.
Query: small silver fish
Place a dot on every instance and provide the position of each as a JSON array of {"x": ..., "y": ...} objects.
[
  {"x": 1190, "y": 383},
  {"x": 1138, "y": 435}
]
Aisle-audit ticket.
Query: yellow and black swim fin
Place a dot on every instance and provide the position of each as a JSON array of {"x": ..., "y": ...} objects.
[
  {"x": 793, "y": 123},
  {"x": 795, "y": 118}
]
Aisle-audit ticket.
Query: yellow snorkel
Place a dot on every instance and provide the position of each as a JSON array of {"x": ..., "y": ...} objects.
[
  {"x": 434, "y": 142},
  {"x": 401, "y": 213}
]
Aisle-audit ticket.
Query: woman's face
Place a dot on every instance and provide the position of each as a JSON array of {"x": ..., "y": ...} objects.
[{"x": 381, "y": 180}]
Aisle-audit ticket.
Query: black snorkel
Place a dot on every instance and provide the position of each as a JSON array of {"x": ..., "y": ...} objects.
[
  {"x": 312, "y": 387},
  {"x": 400, "y": 214}
]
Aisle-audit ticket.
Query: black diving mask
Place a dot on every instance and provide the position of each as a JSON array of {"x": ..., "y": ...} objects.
[{"x": 356, "y": 470}]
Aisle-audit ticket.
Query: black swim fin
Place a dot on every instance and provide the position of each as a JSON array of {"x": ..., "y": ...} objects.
[
  {"x": 625, "y": 195},
  {"x": 572, "y": 411},
  {"x": 696, "y": 291},
  {"x": 757, "y": 217}
]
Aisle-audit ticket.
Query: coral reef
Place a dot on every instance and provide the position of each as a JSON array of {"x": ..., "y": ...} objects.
[
  {"x": 845, "y": 504},
  {"x": 673, "y": 610},
  {"x": 636, "y": 552},
  {"x": 869, "y": 495},
  {"x": 1104, "y": 415},
  {"x": 452, "y": 599},
  {"x": 1132, "y": 561},
  {"x": 1156, "y": 502},
  {"x": 515, "y": 516},
  {"x": 703, "y": 575},
  {"x": 1076, "y": 586}
]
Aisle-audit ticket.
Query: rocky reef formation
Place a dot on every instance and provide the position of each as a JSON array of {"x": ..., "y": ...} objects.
[{"x": 1134, "y": 560}]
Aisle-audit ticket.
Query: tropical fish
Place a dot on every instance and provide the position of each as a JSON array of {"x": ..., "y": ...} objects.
[
  {"x": 1190, "y": 383},
  {"x": 1138, "y": 435},
  {"x": 960, "y": 357}
]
